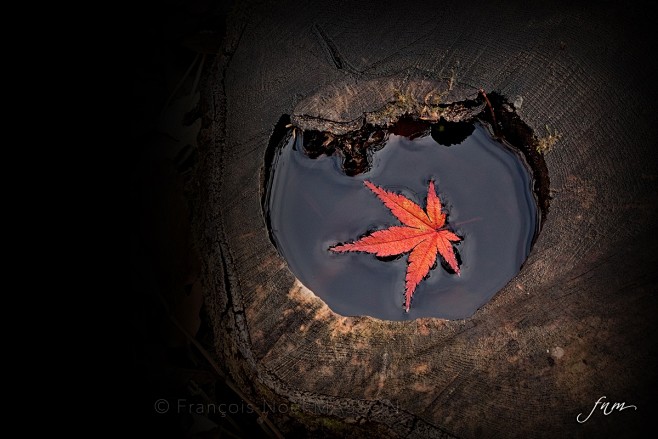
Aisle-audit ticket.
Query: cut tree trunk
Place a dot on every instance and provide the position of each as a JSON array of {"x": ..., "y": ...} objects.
[{"x": 577, "y": 323}]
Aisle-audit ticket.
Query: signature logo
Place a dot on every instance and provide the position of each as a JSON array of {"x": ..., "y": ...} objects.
[{"x": 606, "y": 408}]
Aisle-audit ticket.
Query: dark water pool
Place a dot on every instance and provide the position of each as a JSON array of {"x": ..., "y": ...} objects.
[{"x": 485, "y": 188}]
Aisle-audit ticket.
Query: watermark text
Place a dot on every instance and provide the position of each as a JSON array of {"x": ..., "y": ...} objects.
[{"x": 605, "y": 407}]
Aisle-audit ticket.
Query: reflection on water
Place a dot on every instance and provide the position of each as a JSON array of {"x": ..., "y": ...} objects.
[{"x": 483, "y": 184}]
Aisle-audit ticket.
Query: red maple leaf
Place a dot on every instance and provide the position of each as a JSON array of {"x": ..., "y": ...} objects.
[{"x": 423, "y": 234}]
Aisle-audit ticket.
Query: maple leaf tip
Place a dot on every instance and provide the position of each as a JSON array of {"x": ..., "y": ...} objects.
[{"x": 338, "y": 248}]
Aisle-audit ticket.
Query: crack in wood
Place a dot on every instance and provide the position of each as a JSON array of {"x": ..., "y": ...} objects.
[{"x": 329, "y": 46}]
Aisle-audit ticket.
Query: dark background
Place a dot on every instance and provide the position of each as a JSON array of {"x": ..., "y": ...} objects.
[{"x": 173, "y": 45}]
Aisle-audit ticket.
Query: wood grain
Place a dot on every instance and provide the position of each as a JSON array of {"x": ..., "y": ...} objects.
[{"x": 577, "y": 323}]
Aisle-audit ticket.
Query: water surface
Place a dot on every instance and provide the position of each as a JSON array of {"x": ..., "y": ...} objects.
[{"x": 484, "y": 186}]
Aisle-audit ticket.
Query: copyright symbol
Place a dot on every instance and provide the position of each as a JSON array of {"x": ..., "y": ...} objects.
[{"x": 161, "y": 406}]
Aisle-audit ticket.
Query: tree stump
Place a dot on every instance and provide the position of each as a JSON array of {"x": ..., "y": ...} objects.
[{"x": 577, "y": 323}]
